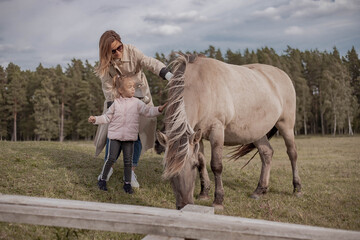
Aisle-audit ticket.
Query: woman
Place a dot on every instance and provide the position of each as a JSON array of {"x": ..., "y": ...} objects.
[{"x": 124, "y": 60}]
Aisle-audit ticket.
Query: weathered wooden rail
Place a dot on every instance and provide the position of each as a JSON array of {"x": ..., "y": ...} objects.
[{"x": 154, "y": 221}]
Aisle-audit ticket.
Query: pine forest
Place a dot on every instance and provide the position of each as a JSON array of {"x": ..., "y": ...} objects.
[{"x": 54, "y": 104}]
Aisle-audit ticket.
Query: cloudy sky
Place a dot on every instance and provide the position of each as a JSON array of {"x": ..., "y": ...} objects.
[{"x": 53, "y": 32}]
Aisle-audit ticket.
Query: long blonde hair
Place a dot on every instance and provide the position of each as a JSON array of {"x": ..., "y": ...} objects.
[{"x": 106, "y": 39}]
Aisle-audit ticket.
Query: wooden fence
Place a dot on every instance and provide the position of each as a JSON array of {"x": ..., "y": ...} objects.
[{"x": 195, "y": 222}]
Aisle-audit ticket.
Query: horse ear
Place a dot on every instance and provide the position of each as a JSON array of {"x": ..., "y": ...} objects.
[
  {"x": 196, "y": 137},
  {"x": 161, "y": 138}
]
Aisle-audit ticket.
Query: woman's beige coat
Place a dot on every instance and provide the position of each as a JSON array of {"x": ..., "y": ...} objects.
[{"x": 130, "y": 65}]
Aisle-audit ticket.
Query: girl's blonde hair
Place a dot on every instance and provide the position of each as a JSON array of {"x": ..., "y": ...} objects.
[
  {"x": 118, "y": 83},
  {"x": 106, "y": 39}
]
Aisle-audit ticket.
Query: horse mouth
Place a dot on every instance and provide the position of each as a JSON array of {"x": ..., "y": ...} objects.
[{"x": 180, "y": 207}]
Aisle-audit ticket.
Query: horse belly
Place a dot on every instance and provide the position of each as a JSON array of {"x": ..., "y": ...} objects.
[
  {"x": 247, "y": 130},
  {"x": 241, "y": 135}
]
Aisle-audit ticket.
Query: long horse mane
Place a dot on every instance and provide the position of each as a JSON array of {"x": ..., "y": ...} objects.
[{"x": 177, "y": 128}]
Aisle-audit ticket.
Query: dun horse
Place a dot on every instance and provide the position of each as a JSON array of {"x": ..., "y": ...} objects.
[{"x": 228, "y": 105}]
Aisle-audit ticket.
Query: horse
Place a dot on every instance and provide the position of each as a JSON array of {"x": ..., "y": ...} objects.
[{"x": 232, "y": 105}]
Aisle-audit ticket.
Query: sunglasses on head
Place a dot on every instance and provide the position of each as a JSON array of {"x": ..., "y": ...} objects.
[{"x": 119, "y": 48}]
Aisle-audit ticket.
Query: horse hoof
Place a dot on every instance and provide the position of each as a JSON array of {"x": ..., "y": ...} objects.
[
  {"x": 255, "y": 196},
  {"x": 203, "y": 197},
  {"x": 298, "y": 194},
  {"x": 218, "y": 206}
]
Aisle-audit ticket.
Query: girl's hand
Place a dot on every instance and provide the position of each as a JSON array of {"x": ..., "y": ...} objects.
[
  {"x": 92, "y": 119},
  {"x": 162, "y": 107}
]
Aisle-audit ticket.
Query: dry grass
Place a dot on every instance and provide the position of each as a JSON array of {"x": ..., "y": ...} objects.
[{"x": 328, "y": 168}]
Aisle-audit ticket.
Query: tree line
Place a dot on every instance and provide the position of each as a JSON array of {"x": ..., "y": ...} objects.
[{"x": 54, "y": 103}]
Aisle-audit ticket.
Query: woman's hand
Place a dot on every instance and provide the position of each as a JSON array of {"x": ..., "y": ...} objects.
[
  {"x": 162, "y": 107},
  {"x": 92, "y": 119}
]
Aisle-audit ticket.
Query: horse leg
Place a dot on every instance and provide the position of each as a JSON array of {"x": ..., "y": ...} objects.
[
  {"x": 204, "y": 176},
  {"x": 216, "y": 138},
  {"x": 289, "y": 138},
  {"x": 266, "y": 152}
]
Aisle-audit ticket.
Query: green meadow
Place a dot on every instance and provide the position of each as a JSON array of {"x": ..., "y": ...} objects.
[{"x": 328, "y": 166}]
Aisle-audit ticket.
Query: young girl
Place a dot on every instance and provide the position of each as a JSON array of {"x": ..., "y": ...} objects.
[{"x": 123, "y": 118}]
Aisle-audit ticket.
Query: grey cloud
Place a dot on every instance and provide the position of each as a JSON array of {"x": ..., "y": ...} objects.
[
  {"x": 236, "y": 40},
  {"x": 200, "y": 2},
  {"x": 10, "y": 48},
  {"x": 309, "y": 9},
  {"x": 190, "y": 16},
  {"x": 110, "y": 9},
  {"x": 166, "y": 30},
  {"x": 294, "y": 30},
  {"x": 58, "y": 32},
  {"x": 324, "y": 8}
]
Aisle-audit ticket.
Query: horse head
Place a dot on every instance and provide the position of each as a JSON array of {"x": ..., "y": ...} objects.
[{"x": 180, "y": 165}]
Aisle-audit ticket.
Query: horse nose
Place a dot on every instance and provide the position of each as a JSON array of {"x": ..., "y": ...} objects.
[
  {"x": 185, "y": 202},
  {"x": 179, "y": 207}
]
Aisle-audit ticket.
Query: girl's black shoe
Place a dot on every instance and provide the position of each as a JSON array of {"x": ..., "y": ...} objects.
[
  {"x": 128, "y": 189},
  {"x": 102, "y": 185}
]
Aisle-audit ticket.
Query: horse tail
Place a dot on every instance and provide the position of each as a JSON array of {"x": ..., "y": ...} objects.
[
  {"x": 271, "y": 133},
  {"x": 242, "y": 150}
]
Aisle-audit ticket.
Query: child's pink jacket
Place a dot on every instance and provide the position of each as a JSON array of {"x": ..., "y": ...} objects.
[{"x": 123, "y": 117}]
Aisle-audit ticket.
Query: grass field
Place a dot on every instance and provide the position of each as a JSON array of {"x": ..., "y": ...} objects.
[{"x": 328, "y": 166}]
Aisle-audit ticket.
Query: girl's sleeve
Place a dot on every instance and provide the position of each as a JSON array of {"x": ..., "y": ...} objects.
[
  {"x": 106, "y": 118},
  {"x": 146, "y": 110}
]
